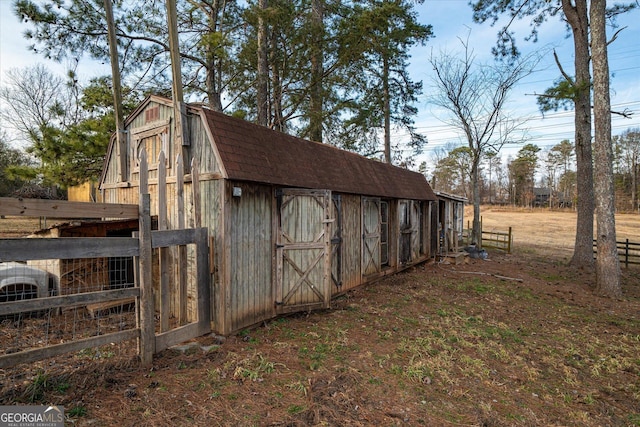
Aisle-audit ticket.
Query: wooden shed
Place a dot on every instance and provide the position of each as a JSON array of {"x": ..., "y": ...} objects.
[
  {"x": 449, "y": 220},
  {"x": 85, "y": 192},
  {"x": 292, "y": 222}
]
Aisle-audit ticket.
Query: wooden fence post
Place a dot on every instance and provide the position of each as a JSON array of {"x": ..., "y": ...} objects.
[
  {"x": 182, "y": 249},
  {"x": 147, "y": 326},
  {"x": 626, "y": 253},
  {"x": 509, "y": 243},
  {"x": 165, "y": 293},
  {"x": 204, "y": 291}
]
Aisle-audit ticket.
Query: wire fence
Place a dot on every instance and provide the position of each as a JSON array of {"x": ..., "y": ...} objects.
[{"x": 41, "y": 327}]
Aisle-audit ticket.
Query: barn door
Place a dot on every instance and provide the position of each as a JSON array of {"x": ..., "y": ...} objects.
[
  {"x": 303, "y": 245},
  {"x": 410, "y": 230},
  {"x": 370, "y": 236}
]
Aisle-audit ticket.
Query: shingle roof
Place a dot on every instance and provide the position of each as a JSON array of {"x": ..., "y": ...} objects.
[{"x": 255, "y": 153}]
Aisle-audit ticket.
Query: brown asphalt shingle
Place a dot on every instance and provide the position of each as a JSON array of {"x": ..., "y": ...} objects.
[{"x": 255, "y": 153}]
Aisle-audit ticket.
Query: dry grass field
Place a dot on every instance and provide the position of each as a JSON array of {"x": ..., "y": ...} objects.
[{"x": 544, "y": 231}]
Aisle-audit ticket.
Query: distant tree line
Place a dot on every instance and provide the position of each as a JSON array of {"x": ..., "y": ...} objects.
[{"x": 535, "y": 177}]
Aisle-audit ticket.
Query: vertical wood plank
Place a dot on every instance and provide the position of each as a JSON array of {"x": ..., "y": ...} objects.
[
  {"x": 143, "y": 175},
  {"x": 203, "y": 289},
  {"x": 165, "y": 301},
  {"x": 327, "y": 248},
  {"x": 277, "y": 238},
  {"x": 180, "y": 190},
  {"x": 273, "y": 206},
  {"x": 225, "y": 263},
  {"x": 195, "y": 188},
  {"x": 182, "y": 250}
]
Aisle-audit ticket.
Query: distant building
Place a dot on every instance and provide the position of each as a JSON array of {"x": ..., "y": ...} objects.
[
  {"x": 86, "y": 192},
  {"x": 546, "y": 197}
]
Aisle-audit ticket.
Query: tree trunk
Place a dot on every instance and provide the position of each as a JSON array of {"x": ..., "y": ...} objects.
[
  {"x": 634, "y": 184},
  {"x": 276, "y": 89},
  {"x": 262, "y": 89},
  {"x": 117, "y": 91},
  {"x": 212, "y": 79},
  {"x": 387, "y": 109},
  {"x": 317, "y": 70},
  {"x": 476, "y": 232},
  {"x": 578, "y": 19},
  {"x": 607, "y": 265}
]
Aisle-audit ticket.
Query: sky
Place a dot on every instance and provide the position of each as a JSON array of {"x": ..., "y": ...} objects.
[{"x": 451, "y": 21}]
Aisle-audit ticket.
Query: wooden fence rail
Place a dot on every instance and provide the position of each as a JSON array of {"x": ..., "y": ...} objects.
[
  {"x": 139, "y": 247},
  {"x": 628, "y": 252},
  {"x": 83, "y": 247},
  {"x": 498, "y": 240},
  {"x": 493, "y": 239}
]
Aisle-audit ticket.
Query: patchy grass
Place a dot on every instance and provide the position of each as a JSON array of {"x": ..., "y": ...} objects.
[
  {"x": 437, "y": 345},
  {"x": 451, "y": 348}
]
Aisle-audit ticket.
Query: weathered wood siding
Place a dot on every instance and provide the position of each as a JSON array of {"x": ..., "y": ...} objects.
[
  {"x": 416, "y": 223},
  {"x": 249, "y": 251},
  {"x": 351, "y": 243},
  {"x": 154, "y": 122},
  {"x": 394, "y": 232},
  {"x": 201, "y": 147},
  {"x": 426, "y": 229},
  {"x": 211, "y": 203},
  {"x": 250, "y": 272},
  {"x": 153, "y": 116}
]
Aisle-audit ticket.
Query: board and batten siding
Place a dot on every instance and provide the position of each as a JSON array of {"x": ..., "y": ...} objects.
[
  {"x": 249, "y": 252},
  {"x": 211, "y": 203},
  {"x": 153, "y": 115},
  {"x": 351, "y": 243},
  {"x": 201, "y": 147}
]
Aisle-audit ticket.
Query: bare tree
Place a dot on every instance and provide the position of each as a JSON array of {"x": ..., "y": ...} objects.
[
  {"x": 474, "y": 97},
  {"x": 607, "y": 265},
  {"x": 33, "y": 98}
]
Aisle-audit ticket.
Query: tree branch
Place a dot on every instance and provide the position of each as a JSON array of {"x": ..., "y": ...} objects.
[{"x": 564, "y": 74}]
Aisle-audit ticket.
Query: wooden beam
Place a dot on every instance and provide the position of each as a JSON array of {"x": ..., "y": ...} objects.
[
  {"x": 29, "y": 356},
  {"x": 180, "y": 112},
  {"x": 121, "y": 136},
  {"x": 67, "y": 301},
  {"x": 176, "y": 336},
  {"x": 65, "y": 209},
  {"x": 207, "y": 176},
  {"x": 67, "y": 248},
  {"x": 166, "y": 238}
]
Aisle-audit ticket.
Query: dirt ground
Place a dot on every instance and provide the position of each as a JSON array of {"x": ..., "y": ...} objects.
[{"x": 515, "y": 340}]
